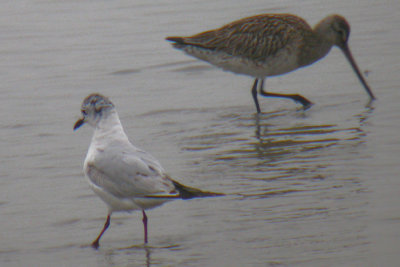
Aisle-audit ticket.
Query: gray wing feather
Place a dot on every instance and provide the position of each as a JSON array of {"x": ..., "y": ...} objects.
[{"x": 133, "y": 173}]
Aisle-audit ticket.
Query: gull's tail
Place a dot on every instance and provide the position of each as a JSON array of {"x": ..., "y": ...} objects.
[{"x": 186, "y": 192}]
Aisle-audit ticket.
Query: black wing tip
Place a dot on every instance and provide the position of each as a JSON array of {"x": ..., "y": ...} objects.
[
  {"x": 212, "y": 194},
  {"x": 177, "y": 40},
  {"x": 186, "y": 192},
  {"x": 198, "y": 194}
]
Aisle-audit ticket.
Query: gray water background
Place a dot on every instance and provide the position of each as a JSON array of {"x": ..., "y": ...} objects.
[{"x": 313, "y": 188}]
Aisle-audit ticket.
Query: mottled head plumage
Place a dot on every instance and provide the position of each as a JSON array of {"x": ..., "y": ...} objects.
[
  {"x": 94, "y": 106},
  {"x": 96, "y": 102}
]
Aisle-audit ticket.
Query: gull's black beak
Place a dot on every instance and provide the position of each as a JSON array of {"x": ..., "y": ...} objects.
[
  {"x": 79, "y": 123},
  {"x": 352, "y": 62}
]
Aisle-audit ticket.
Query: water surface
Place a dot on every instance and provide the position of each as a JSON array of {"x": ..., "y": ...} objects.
[{"x": 304, "y": 188}]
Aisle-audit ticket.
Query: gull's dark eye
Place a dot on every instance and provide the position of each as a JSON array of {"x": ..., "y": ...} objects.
[
  {"x": 84, "y": 112},
  {"x": 98, "y": 108}
]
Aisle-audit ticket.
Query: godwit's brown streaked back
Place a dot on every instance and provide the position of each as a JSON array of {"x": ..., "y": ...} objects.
[{"x": 268, "y": 45}]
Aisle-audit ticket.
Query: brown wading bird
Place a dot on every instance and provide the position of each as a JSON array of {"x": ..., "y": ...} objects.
[
  {"x": 125, "y": 177},
  {"x": 268, "y": 45}
]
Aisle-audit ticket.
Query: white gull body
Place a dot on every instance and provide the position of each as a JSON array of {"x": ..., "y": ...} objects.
[{"x": 125, "y": 177}]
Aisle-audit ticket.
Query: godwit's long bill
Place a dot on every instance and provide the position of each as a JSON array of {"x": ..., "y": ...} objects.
[{"x": 269, "y": 45}]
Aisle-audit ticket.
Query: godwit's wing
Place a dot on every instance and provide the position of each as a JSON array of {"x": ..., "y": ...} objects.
[{"x": 255, "y": 38}]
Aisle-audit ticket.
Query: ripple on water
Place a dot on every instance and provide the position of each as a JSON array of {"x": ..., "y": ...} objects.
[{"x": 284, "y": 155}]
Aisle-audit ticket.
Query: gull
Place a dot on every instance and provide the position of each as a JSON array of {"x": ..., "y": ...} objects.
[
  {"x": 268, "y": 45},
  {"x": 125, "y": 177}
]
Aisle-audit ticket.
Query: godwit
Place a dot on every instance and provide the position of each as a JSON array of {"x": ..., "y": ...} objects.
[
  {"x": 125, "y": 177},
  {"x": 268, "y": 45}
]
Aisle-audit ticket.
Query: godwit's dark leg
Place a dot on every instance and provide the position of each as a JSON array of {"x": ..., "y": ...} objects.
[
  {"x": 145, "y": 226},
  {"x": 297, "y": 98},
  {"x": 95, "y": 243},
  {"x": 254, "y": 94}
]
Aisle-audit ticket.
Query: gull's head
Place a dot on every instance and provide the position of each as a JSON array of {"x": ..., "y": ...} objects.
[{"x": 94, "y": 108}]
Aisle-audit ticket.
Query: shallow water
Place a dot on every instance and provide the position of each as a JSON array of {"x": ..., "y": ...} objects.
[{"x": 304, "y": 188}]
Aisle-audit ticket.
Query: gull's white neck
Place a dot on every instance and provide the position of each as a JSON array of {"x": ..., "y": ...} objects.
[{"x": 109, "y": 128}]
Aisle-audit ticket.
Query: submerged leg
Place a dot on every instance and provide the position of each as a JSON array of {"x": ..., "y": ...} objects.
[
  {"x": 95, "y": 243},
  {"x": 254, "y": 94},
  {"x": 145, "y": 226},
  {"x": 297, "y": 98}
]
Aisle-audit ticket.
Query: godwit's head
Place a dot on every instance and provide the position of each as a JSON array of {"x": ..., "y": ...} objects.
[{"x": 335, "y": 30}]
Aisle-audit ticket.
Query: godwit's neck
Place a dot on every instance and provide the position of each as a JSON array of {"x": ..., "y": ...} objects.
[{"x": 317, "y": 43}]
